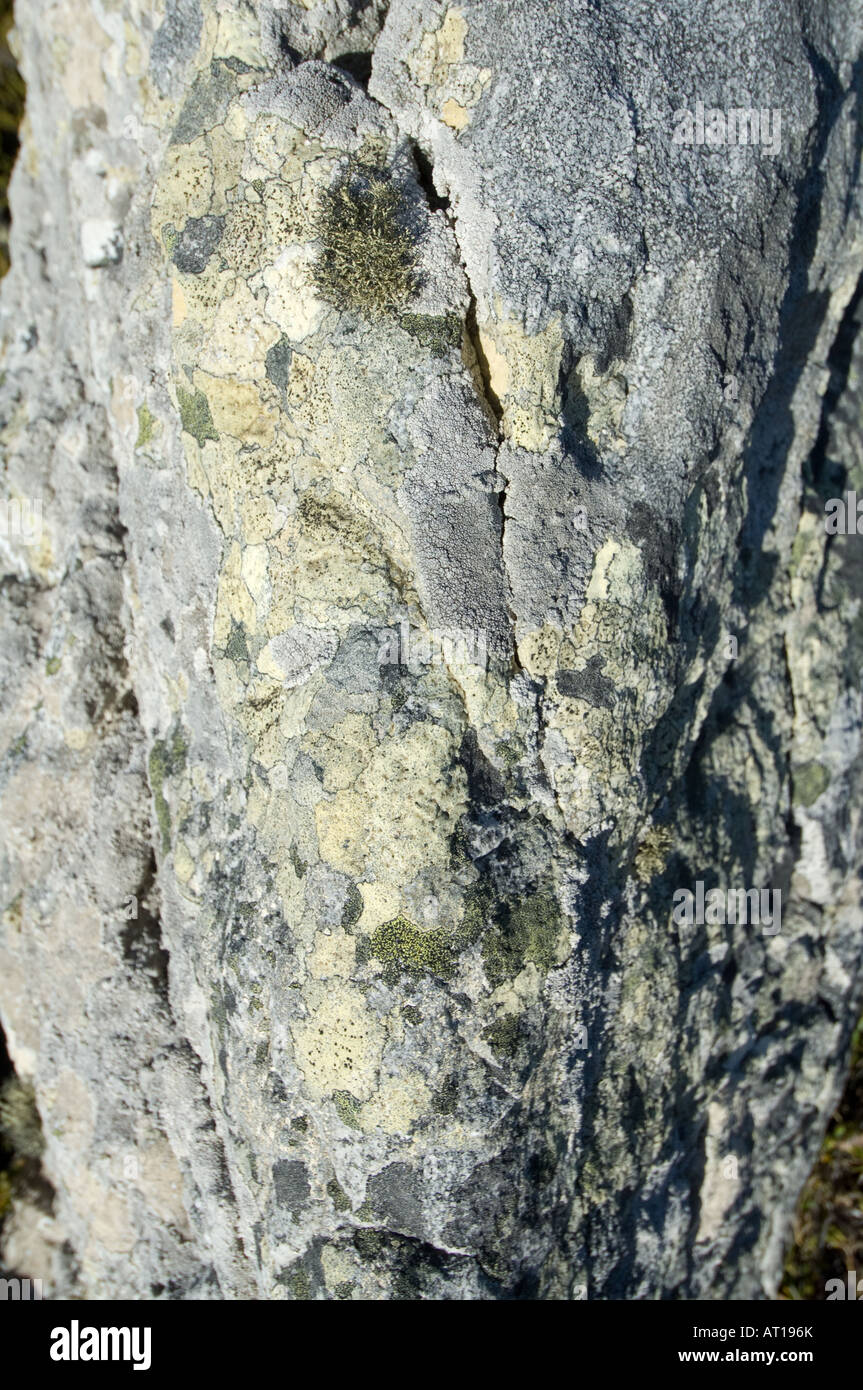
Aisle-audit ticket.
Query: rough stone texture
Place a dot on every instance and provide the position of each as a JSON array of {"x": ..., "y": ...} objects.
[{"x": 404, "y": 1011}]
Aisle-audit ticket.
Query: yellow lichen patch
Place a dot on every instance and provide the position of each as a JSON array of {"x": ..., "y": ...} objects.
[
  {"x": 344, "y": 752},
  {"x": 240, "y": 338},
  {"x": 454, "y": 114},
  {"x": 604, "y": 732},
  {"x": 603, "y": 397},
  {"x": 185, "y": 186},
  {"x": 335, "y": 954},
  {"x": 237, "y": 409},
  {"x": 338, "y": 1047},
  {"x": 404, "y": 807},
  {"x": 398, "y": 1102},
  {"x": 524, "y": 372}
]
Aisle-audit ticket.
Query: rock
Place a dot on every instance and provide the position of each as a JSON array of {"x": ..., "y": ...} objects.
[{"x": 350, "y": 969}]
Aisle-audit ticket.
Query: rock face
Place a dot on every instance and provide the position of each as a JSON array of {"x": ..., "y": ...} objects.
[{"x": 399, "y": 633}]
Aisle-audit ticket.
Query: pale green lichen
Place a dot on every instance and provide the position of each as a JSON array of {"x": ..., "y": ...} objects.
[
  {"x": 146, "y": 426},
  {"x": 401, "y": 946},
  {"x": 525, "y": 932},
  {"x": 166, "y": 759},
  {"x": 195, "y": 415}
]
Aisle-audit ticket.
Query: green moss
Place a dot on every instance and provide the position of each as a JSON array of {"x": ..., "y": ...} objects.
[
  {"x": 20, "y": 1126},
  {"x": 440, "y": 333},
  {"x": 527, "y": 932},
  {"x": 503, "y": 1035},
  {"x": 344, "y": 1289},
  {"x": 809, "y": 781},
  {"x": 338, "y": 1196},
  {"x": 299, "y": 1122},
  {"x": 146, "y": 426},
  {"x": 403, "y": 947},
  {"x": 369, "y": 1244},
  {"x": 411, "y": 1014},
  {"x": 367, "y": 263},
  {"x": 195, "y": 415},
  {"x": 347, "y": 1108},
  {"x": 510, "y": 751}
]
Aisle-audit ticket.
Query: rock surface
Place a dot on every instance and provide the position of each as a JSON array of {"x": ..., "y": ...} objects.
[{"x": 375, "y": 680}]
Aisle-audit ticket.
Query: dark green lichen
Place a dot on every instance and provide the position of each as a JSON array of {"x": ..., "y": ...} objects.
[
  {"x": 20, "y": 1125},
  {"x": 353, "y": 908},
  {"x": 338, "y": 1196},
  {"x": 368, "y": 262},
  {"x": 525, "y": 932},
  {"x": 440, "y": 333},
  {"x": 503, "y": 1035}
]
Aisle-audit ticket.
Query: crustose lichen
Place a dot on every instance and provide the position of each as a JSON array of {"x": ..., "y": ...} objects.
[{"x": 368, "y": 262}]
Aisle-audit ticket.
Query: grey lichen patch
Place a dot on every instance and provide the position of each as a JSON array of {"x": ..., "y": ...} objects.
[
  {"x": 195, "y": 415},
  {"x": 368, "y": 261},
  {"x": 291, "y": 1184},
  {"x": 525, "y": 932},
  {"x": 278, "y": 364},
  {"x": 20, "y": 1126},
  {"x": 403, "y": 947},
  {"x": 809, "y": 781},
  {"x": 440, "y": 333},
  {"x": 194, "y": 246}
]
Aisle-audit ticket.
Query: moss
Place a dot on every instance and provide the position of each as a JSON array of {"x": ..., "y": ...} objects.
[
  {"x": 510, "y": 751},
  {"x": 195, "y": 415},
  {"x": 439, "y": 333},
  {"x": 503, "y": 1035},
  {"x": 146, "y": 426},
  {"x": 527, "y": 932},
  {"x": 338, "y": 1196},
  {"x": 809, "y": 781},
  {"x": 403, "y": 947},
  {"x": 12, "y": 100},
  {"x": 5, "y": 1194},
  {"x": 345, "y": 1289},
  {"x": 411, "y": 1014},
  {"x": 299, "y": 1122},
  {"x": 20, "y": 1125},
  {"x": 368, "y": 1244},
  {"x": 367, "y": 263},
  {"x": 347, "y": 1108}
]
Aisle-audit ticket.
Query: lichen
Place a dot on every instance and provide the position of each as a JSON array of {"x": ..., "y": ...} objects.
[
  {"x": 146, "y": 426},
  {"x": 401, "y": 947},
  {"x": 440, "y": 333},
  {"x": 166, "y": 759},
  {"x": 195, "y": 415},
  {"x": 367, "y": 264},
  {"x": 347, "y": 1109},
  {"x": 525, "y": 932}
]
